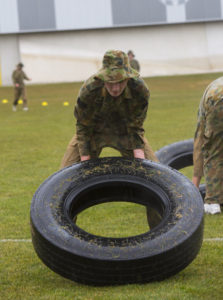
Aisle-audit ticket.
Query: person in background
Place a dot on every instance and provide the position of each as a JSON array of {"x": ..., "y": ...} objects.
[
  {"x": 208, "y": 146},
  {"x": 18, "y": 77},
  {"x": 133, "y": 62}
]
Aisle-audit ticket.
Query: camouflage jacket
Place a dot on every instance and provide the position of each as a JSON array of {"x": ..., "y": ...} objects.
[
  {"x": 18, "y": 77},
  {"x": 208, "y": 140},
  {"x": 104, "y": 121},
  {"x": 135, "y": 64}
]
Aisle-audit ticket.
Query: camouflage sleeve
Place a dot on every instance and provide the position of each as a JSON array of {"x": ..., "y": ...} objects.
[
  {"x": 135, "y": 64},
  {"x": 137, "y": 116},
  {"x": 199, "y": 140},
  {"x": 25, "y": 76},
  {"x": 84, "y": 114}
]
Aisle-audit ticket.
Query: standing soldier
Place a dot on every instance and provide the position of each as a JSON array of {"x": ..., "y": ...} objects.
[
  {"x": 208, "y": 146},
  {"x": 110, "y": 111},
  {"x": 18, "y": 77},
  {"x": 133, "y": 62}
]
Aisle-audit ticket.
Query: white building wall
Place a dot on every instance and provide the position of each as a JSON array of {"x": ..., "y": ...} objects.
[
  {"x": 161, "y": 50},
  {"x": 9, "y": 57}
]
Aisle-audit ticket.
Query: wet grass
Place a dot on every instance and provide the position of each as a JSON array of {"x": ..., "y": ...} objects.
[{"x": 32, "y": 145}]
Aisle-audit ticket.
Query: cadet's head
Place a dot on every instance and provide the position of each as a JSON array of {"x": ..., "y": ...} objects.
[
  {"x": 116, "y": 69},
  {"x": 20, "y": 66},
  {"x": 131, "y": 55}
]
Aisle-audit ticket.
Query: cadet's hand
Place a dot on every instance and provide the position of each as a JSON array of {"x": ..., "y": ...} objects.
[
  {"x": 196, "y": 181},
  {"x": 85, "y": 157},
  {"x": 139, "y": 153},
  {"x": 17, "y": 85}
]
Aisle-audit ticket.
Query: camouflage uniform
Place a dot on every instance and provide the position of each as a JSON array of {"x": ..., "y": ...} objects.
[
  {"x": 135, "y": 64},
  {"x": 104, "y": 121},
  {"x": 18, "y": 77},
  {"x": 208, "y": 142}
]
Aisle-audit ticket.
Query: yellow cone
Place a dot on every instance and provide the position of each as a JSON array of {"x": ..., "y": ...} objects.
[
  {"x": 44, "y": 103},
  {"x": 20, "y": 101},
  {"x": 66, "y": 103},
  {"x": 4, "y": 101}
]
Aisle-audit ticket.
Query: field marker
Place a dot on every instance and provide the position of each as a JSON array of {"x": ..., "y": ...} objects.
[
  {"x": 4, "y": 101},
  {"x": 44, "y": 103},
  {"x": 29, "y": 240}
]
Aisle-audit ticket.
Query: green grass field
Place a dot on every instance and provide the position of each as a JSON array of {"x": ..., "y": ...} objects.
[{"x": 32, "y": 145}]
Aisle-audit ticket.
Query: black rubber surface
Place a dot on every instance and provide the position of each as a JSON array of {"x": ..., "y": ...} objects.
[
  {"x": 80, "y": 256},
  {"x": 179, "y": 155}
]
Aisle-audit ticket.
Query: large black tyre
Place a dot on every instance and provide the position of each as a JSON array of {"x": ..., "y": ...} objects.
[
  {"x": 80, "y": 256},
  {"x": 179, "y": 155}
]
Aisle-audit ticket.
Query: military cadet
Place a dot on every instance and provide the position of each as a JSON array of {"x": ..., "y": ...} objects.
[
  {"x": 133, "y": 62},
  {"x": 208, "y": 146},
  {"x": 110, "y": 111},
  {"x": 18, "y": 77}
]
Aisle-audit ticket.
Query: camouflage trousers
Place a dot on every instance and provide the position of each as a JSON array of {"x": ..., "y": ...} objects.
[
  {"x": 20, "y": 92},
  {"x": 72, "y": 154},
  {"x": 213, "y": 173}
]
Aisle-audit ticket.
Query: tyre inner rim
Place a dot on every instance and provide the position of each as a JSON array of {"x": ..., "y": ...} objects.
[
  {"x": 148, "y": 194},
  {"x": 177, "y": 162}
]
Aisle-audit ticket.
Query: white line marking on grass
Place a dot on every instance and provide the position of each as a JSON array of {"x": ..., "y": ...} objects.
[
  {"x": 214, "y": 240},
  {"x": 16, "y": 240},
  {"x": 29, "y": 240}
]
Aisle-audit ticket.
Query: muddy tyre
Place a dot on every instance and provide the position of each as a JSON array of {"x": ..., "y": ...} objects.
[
  {"x": 179, "y": 155},
  {"x": 80, "y": 256}
]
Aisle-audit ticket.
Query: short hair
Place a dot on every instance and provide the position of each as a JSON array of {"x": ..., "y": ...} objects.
[
  {"x": 131, "y": 52},
  {"x": 21, "y": 65}
]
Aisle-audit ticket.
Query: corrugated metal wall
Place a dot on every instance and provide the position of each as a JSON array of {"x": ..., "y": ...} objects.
[
  {"x": 60, "y": 44},
  {"x": 83, "y": 14},
  {"x": 9, "y": 18},
  {"x": 36, "y": 15},
  {"x": 17, "y": 16}
]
